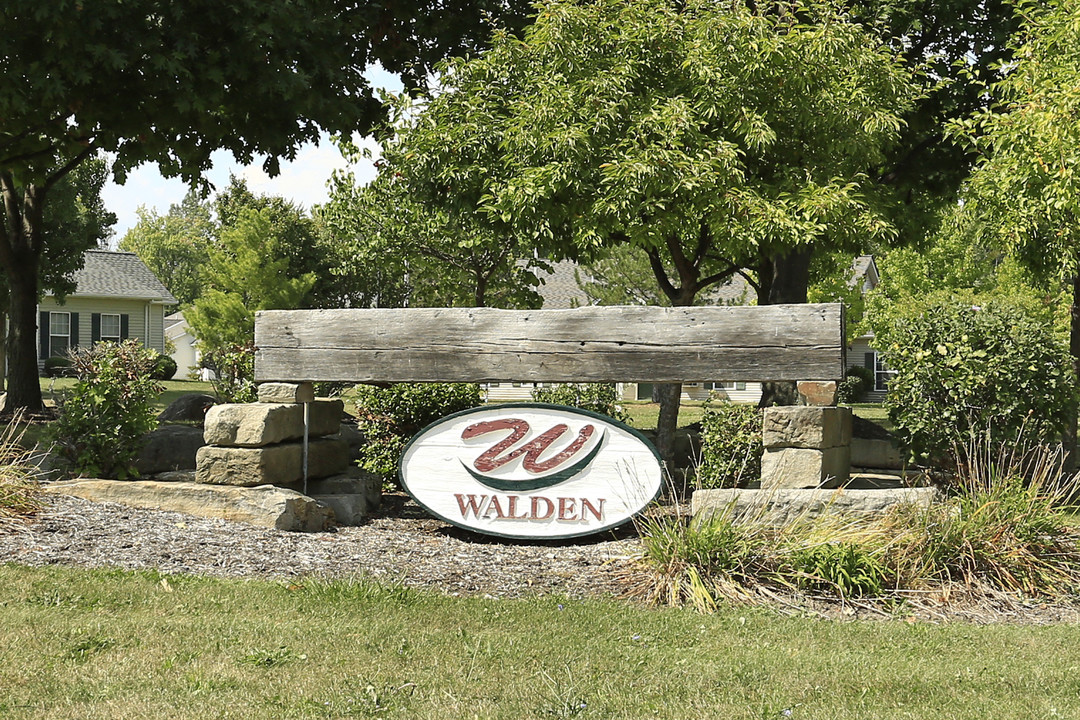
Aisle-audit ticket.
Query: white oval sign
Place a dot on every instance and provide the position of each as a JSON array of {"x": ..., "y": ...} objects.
[{"x": 531, "y": 471}]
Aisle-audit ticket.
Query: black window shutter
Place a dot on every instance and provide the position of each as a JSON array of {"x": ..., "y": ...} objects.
[
  {"x": 73, "y": 340},
  {"x": 95, "y": 327},
  {"x": 43, "y": 335},
  {"x": 123, "y": 327},
  {"x": 868, "y": 361}
]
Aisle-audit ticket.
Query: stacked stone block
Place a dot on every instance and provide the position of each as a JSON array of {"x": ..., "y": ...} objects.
[
  {"x": 261, "y": 443},
  {"x": 806, "y": 447}
]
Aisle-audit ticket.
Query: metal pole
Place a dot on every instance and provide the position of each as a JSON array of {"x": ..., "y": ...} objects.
[{"x": 307, "y": 423}]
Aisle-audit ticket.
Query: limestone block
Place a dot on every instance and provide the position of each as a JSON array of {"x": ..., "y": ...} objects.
[
  {"x": 272, "y": 465},
  {"x": 280, "y": 392},
  {"x": 805, "y": 467},
  {"x": 878, "y": 454},
  {"x": 348, "y": 509},
  {"x": 817, "y": 392},
  {"x": 265, "y": 506},
  {"x": 353, "y": 481},
  {"x": 781, "y": 507},
  {"x": 261, "y": 424},
  {"x": 806, "y": 427},
  {"x": 168, "y": 449}
]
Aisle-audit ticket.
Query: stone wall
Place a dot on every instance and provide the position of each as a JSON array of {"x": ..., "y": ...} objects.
[{"x": 255, "y": 444}]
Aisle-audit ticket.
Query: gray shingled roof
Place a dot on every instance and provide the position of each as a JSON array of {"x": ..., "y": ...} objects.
[{"x": 120, "y": 275}]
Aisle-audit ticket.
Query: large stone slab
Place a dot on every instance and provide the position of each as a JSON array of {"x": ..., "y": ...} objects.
[
  {"x": 168, "y": 449},
  {"x": 261, "y": 424},
  {"x": 782, "y": 507},
  {"x": 266, "y": 506},
  {"x": 273, "y": 465},
  {"x": 805, "y": 468},
  {"x": 806, "y": 427}
]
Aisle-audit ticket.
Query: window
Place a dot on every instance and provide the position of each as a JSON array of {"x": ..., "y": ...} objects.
[
  {"x": 59, "y": 333},
  {"x": 110, "y": 328},
  {"x": 725, "y": 386},
  {"x": 882, "y": 374}
]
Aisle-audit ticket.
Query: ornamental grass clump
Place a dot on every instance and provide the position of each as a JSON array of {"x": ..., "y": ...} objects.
[
  {"x": 1002, "y": 528},
  {"x": 19, "y": 496},
  {"x": 999, "y": 531}
]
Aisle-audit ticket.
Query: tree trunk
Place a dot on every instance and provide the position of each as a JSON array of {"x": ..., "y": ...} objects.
[
  {"x": 20, "y": 257},
  {"x": 669, "y": 395},
  {"x": 668, "y": 421},
  {"x": 788, "y": 284},
  {"x": 1068, "y": 441},
  {"x": 24, "y": 389}
]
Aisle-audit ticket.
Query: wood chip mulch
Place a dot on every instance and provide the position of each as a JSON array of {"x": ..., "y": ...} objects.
[
  {"x": 403, "y": 545},
  {"x": 400, "y": 545}
]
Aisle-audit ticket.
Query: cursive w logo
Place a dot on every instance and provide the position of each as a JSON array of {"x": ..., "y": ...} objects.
[{"x": 500, "y": 454}]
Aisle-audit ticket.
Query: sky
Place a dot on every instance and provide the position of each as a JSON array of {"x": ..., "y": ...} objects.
[{"x": 303, "y": 181}]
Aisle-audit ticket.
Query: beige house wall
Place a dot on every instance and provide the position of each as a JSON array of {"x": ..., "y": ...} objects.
[{"x": 146, "y": 321}]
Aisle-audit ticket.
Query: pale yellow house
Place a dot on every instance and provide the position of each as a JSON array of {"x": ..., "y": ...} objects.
[{"x": 116, "y": 298}]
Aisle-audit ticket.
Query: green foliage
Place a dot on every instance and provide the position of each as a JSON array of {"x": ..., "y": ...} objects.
[
  {"x": 234, "y": 373},
  {"x": 731, "y": 446},
  {"x": 1026, "y": 189},
  {"x": 389, "y": 417},
  {"x": 966, "y": 366},
  {"x": 402, "y": 252},
  {"x": 175, "y": 246},
  {"x": 146, "y": 81},
  {"x": 103, "y": 418},
  {"x": 843, "y": 569},
  {"x": 858, "y": 381},
  {"x": 244, "y": 275},
  {"x": 164, "y": 367},
  {"x": 596, "y": 397}
]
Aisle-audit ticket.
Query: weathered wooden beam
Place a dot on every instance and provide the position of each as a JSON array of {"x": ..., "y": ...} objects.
[{"x": 593, "y": 344}]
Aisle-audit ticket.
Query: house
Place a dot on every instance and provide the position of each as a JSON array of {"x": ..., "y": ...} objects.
[
  {"x": 116, "y": 297},
  {"x": 560, "y": 289}
]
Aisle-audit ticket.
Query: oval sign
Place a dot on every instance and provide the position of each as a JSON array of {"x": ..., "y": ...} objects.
[{"x": 531, "y": 470}]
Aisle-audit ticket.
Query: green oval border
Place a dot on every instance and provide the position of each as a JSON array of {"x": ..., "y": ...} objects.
[{"x": 543, "y": 406}]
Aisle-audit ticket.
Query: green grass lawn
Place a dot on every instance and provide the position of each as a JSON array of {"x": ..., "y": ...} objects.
[{"x": 110, "y": 644}]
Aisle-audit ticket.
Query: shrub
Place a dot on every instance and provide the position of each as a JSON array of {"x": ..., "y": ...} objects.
[
  {"x": 389, "y": 417},
  {"x": 731, "y": 446},
  {"x": 234, "y": 373},
  {"x": 966, "y": 366},
  {"x": 164, "y": 368},
  {"x": 58, "y": 367},
  {"x": 856, "y": 383},
  {"x": 599, "y": 398},
  {"x": 102, "y": 419}
]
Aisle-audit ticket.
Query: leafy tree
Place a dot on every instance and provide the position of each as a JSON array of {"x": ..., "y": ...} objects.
[
  {"x": 710, "y": 135},
  {"x": 962, "y": 45},
  {"x": 170, "y": 82},
  {"x": 1026, "y": 187},
  {"x": 175, "y": 245},
  {"x": 409, "y": 253},
  {"x": 76, "y": 221},
  {"x": 242, "y": 276}
]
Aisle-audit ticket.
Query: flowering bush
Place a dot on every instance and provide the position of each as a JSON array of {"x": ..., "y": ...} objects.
[{"x": 104, "y": 417}]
